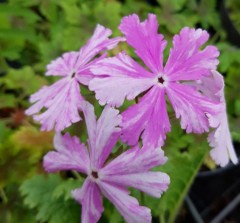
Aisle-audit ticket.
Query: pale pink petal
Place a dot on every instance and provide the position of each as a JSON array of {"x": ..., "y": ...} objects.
[
  {"x": 192, "y": 107},
  {"x": 70, "y": 154},
  {"x": 220, "y": 141},
  {"x": 63, "y": 66},
  {"x": 186, "y": 60},
  {"x": 152, "y": 183},
  {"x": 211, "y": 86},
  {"x": 123, "y": 77},
  {"x": 220, "y": 138},
  {"x": 128, "y": 206},
  {"x": 135, "y": 160},
  {"x": 148, "y": 117},
  {"x": 62, "y": 101},
  {"x": 98, "y": 42},
  {"x": 89, "y": 196},
  {"x": 84, "y": 74},
  {"x": 144, "y": 38},
  {"x": 103, "y": 134},
  {"x": 91, "y": 123}
]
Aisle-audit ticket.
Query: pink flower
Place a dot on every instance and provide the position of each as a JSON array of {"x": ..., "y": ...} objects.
[
  {"x": 112, "y": 178},
  {"x": 63, "y": 99},
  {"x": 220, "y": 138},
  {"x": 125, "y": 78}
]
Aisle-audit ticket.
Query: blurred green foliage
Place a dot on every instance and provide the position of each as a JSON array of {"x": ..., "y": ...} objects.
[{"x": 34, "y": 32}]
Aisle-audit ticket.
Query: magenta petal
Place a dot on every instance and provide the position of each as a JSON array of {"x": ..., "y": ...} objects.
[
  {"x": 186, "y": 61},
  {"x": 62, "y": 100},
  {"x": 148, "y": 116},
  {"x": 135, "y": 160},
  {"x": 192, "y": 107},
  {"x": 144, "y": 37},
  {"x": 89, "y": 196},
  {"x": 103, "y": 134},
  {"x": 123, "y": 78},
  {"x": 70, "y": 154},
  {"x": 152, "y": 183},
  {"x": 98, "y": 42},
  {"x": 128, "y": 206}
]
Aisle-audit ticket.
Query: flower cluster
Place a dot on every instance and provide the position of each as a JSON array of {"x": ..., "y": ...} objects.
[{"x": 189, "y": 80}]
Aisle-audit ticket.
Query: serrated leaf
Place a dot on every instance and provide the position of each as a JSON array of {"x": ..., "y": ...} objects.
[
  {"x": 64, "y": 189},
  {"x": 38, "y": 193},
  {"x": 182, "y": 167},
  {"x": 13, "y": 210}
]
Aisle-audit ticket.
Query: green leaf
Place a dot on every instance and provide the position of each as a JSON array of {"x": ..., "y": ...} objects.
[
  {"x": 38, "y": 193},
  {"x": 237, "y": 107},
  {"x": 25, "y": 3},
  {"x": 108, "y": 14},
  {"x": 229, "y": 56},
  {"x": 33, "y": 140},
  {"x": 71, "y": 10},
  {"x": 13, "y": 210},
  {"x": 172, "y": 5},
  {"x": 15, "y": 10},
  {"x": 182, "y": 167},
  {"x": 4, "y": 131},
  {"x": 20, "y": 79},
  {"x": 64, "y": 189},
  {"x": 21, "y": 153},
  {"x": 49, "y": 9},
  {"x": 7, "y": 100},
  {"x": 176, "y": 21}
]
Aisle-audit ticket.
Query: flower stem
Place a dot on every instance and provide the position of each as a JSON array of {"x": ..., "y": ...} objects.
[
  {"x": 76, "y": 174},
  {"x": 162, "y": 218}
]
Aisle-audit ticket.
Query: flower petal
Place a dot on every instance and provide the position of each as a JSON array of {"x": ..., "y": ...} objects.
[
  {"x": 64, "y": 65},
  {"x": 70, "y": 154},
  {"x": 148, "y": 116},
  {"x": 186, "y": 61},
  {"x": 84, "y": 75},
  {"x": 152, "y": 183},
  {"x": 220, "y": 138},
  {"x": 62, "y": 101},
  {"x": 89, "y": 196},
  {"x": 123, "y": 77},
  {"x": 103, "y": 134},
  {"x": 128, "y": 206},
  {"x": 192, "y": 107},
  {"x": 135, "y": 160},
  {"x": 144, "y": 37},
  {"x": 98, "y": 42},
  {"x": 220, "y": 141}
]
